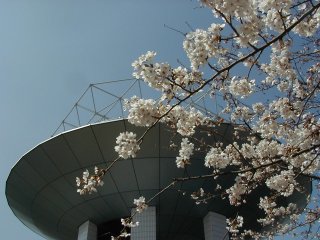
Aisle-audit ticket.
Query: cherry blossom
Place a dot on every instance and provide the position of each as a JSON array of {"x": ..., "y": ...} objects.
[
  {"x": 142, "y": 112},
  {"x": 140, "y": 204},
  {"x": 185, "y": 153},
  {"x": 258, "y": 66},
  {"x": 216, "y": 158},
  {"x": 127, "y": 145},
  {"x": 284, "y": 183},
  {"x": 128, "y": 223},
  {"x": 234, "y": 224},
  {"x": 242, "y": 87}
]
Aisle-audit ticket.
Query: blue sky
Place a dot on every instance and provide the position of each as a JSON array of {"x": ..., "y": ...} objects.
[{"x": 51, "y": 51}]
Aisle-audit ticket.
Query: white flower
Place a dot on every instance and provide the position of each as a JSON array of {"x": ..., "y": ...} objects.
[
  {"x": 272, "y": 211},
  {"x": 85, "y": 175},
  {"x": 234, "y": 224},
  {"x": 284, "y": 183},
  {"x": 89, "y": 183},
  {"x": 199, "y": 196},
  {"x": 144, "y": 59},
  {"x": 185, "y": 153},
  {"x": 278, "y": 131},
  {"x": 279, "y": 70},
  {"x": 284, "y": 107},
  {"x": 266, "y": 204},
  {"x": 242, "y": 87},
  {"x": 140, "y": 204},
  {"x": 185, "y": 120},
  {"x": 201, "y": 45},
  {"x": 308, "y": 27},
  {"x": 125, "y": 234},
  {"x": 267, "y": 125},
  {"x": 155, "y": 74},
  {"x": 127, "y": 145},
  {"x": 81, "y": 191},
  {"x": 241, "y": 113},
  {"x": 128, "y": 223},
  {"x": 238, "y": 189},
  {"x": 216, "y": 158},
  {"x": 78, "y": 181},
  {"x": 142, "y": 112},
  {"x": 258, "y": 108}
]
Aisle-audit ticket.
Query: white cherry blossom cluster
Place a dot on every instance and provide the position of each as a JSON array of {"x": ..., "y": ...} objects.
[
  {"x": 240, "y": 188},
  {"x": 273, "y": 212},
  {"x": 241, "y": 113},
  {"x": 279, "y": 68},
  {"x": 155, "y": 74},
  {"x": 232, "y": 151},
  {"x": 276, "y": 140},
  {"x": 302, "y": 136},
  {"x": 264, "y": 152},
  {"x": 254, "y": 16},
  {"x": 242, "y": 87},
  {"x": 146, "y": 112},
  {"x": 182, "y": 79},
  {"x": 201, "y": 196},
  {"x": 140, "y": 204},
  {"x": 123, "y": 234},
  {"x": 127, "y": 145},
  {"x": 249, "y": 31},
  {"x": 127, "y": 222},
  {"x": 238, "y": 9},
  {"x": 267, "y": 150},
  {"x": 201, "y": 45},
  {"x": 284, "y": 183},
  {"x": 267, "y": 125},
  {"x": 245, "y": 12},
  {"x": 188, "y": 120},
  {"x": 258, "y": 108},
  {"x": 234, "y": 224},
  {"x": 307, "y": 162},
  {"x": 299, "y": 139},
  {"x": 198, "y": 194},
  {"x": 142, "y": 63},
  {"x": 285, "y": 108},
  {"x": 161, "y": 76},
  {"x": 142, "y": 112},
  {"x": 276, "y": 14},
  {"x": 185, "y": 152},
  {"x": 181, "y": 76},
  {"x": 308, "y": 27},
  {"x": 216, "y": 158},
  {"x": 89, "y": 183},
  {"x": 185, "y": 120},
  {"x": 267, "y": 204}
]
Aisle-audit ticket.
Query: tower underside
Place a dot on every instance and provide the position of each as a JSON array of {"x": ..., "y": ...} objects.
[{"x": 42, "y": 193}]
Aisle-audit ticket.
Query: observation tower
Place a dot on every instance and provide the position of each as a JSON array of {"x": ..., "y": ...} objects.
[{"x": 42, "y": 193}]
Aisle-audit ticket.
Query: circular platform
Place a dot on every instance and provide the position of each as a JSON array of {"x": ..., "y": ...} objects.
[{"x": 41, "y": 189}]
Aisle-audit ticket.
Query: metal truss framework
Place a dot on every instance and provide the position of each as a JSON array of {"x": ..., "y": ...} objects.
[{"x": 104, "y": 101}]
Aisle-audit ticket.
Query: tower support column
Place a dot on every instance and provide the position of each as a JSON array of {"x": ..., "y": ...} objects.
[
  {"x": 147, "y": 228},
  {"x": 87, "y": 231},
  {"x": 215, "y": 227}
]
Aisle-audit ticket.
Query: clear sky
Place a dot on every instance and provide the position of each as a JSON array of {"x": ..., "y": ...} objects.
[{"x": 51, "y": 50}]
